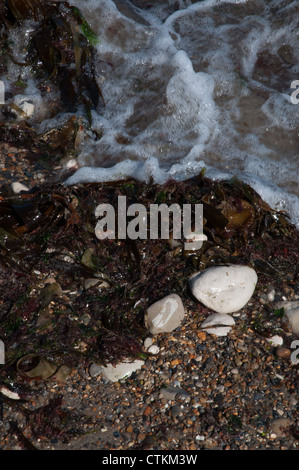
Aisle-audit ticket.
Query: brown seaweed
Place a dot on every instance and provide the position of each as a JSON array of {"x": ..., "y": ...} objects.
[{"x": 61, "y": 48}]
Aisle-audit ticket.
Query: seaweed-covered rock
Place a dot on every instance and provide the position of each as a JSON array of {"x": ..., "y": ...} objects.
[{"x": 224, "y": 289}]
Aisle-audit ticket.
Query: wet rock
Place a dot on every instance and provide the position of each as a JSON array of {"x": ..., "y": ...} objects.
[
  {"x": 165, "y": 315},
  {"x": 291, "y": 312},
  {"x": 28, "y": 106},
  {"x": 224, "y": 289},
  {"x": 218, "y": 324},
  {"x": 18, "y": 187}
]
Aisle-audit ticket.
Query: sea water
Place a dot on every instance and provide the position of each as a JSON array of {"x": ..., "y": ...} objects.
[
  {"x": 193, "y": 84},
  {"x": 196, "y": 84}
]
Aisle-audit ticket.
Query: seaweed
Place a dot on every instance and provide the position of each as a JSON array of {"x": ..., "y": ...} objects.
[
  {"x": 60, "y": 49},
  {"x": 52, "y": 229}
]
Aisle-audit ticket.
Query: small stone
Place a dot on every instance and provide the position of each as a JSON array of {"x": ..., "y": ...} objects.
[
  {"x": 147, "y": 342},
  {"x": 92, "y": 282},
  {"x": 154, "y": 349},
  {"x": 271, "y": 295},
  {"x": 9, "y": 393},
  {"x": 220, "y": 322},
  {"x": 165, "y": 315},
  {"x": 280, "y": 426},
  {"x": 176, "y": 411},
  {"x": 175, "y": 362},
  {"x": 219, "y": 330},
  {"x": 170, "y": 393},
  {"x": 291, "y": 314},
  {"x": 284, "y": 353},
  {"x": 25, "y": 108},
  {"x": 202, "y": 335},
  {"x": 224, "y": 289},
  {"x": 18, "y": 187},
  {"x": 120, "y": 371},
  {"x": 167, "y": 394},
  {"x": 276, "y": 340},
  {"x": 95, "y": 370}
]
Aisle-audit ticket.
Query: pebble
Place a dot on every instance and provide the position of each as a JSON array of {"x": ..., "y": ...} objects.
[
  {"x": 19, "y": 187},
  {"x": 224, "y": 289},
  {"x": 147, "y": 342},
  {"x": 92, "y": 282},
  {"x": 280, "y": 426},
  {"x": 165, "y": 315},
  {"x": 283, "y": 352},
  {"x": 154, "y": 349},
  {"x": 171, "y": 393},
  {"x": 122, "y": 370},
  {"x": 218, "y": 324},
  {"x": 94, "y": 370},
  {"x": 291, "y": 314},
  {"x": 25, "y": 106},
  {"x": 276, "y": 340}
]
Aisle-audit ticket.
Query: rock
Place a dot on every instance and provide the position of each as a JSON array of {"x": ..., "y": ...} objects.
[
  {"x": 276, "y": 340},
  {"x": 281, "y": 426},
  {"x": 147, "y": 342},
  {"x": 28, "y": 106},
  {"x": 283, "y": 353},
  {"x": 92, "y": 282},
  {"x": 165, "y": 315},
  {"x": 170, "y": 393},
  {"x": 9, "y": 393},
  {"x": 194, "y": 241},
  {"x": 291, "y": 312},
  {"x": 94, "y": 370},
  {"x": 154, "y": 349},
  {"x": 122, "y": 370},
  {"x": 221, "y": 321},
  {"x": 224, "y": 289},
  {"x": 18, "y": 187}
]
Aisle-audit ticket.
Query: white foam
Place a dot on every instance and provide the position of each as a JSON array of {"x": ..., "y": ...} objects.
[{"x": 184, "y": 92}]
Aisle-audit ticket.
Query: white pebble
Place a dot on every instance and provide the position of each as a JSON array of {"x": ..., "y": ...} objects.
[
  {"x": 291, "y": 311},
  {"x": 271, "y": 295},
  {"x": 147, "y": 342},
  {"x": 224, "y": 289},
  {"x": 154, "y": 349},
  {"x": 276, "y": 340},
  {"x": 221, "y": 323},
  {"x": 122, "y": 370},
  {"x": 18, "y": 187}
]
